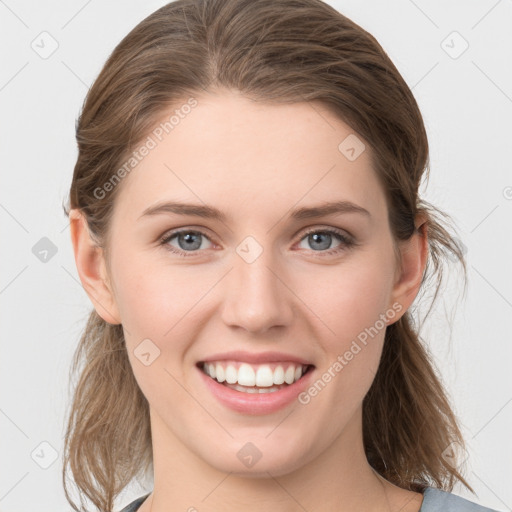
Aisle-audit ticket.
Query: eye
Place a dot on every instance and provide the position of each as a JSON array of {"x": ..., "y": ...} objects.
[
  {"x": 321, "y": 239},
  {"x": 189, "y": 242}
]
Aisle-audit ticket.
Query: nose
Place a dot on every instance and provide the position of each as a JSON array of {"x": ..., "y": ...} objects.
[{"x": 256, "y": 295}]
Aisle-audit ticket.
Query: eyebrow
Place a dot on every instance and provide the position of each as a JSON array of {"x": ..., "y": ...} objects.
[{"x": 209, "y": 212}]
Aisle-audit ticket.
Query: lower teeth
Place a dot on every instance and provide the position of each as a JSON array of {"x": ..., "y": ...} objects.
[{"x": 254, "y": 389}]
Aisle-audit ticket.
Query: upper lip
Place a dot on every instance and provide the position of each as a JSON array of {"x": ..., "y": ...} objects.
[{"x": 256, "y": 358}]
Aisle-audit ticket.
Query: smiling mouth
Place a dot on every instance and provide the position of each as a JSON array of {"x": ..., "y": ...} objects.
[{"x": 261, "y": 378}]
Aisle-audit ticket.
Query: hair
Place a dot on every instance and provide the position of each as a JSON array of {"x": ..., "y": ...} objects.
[{"x": 275, "y": 52}]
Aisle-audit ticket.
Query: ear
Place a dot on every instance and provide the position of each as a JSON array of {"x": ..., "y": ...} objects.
[
  {"x": 91, "y": 266},
  {"x": 414, "y": 253}
]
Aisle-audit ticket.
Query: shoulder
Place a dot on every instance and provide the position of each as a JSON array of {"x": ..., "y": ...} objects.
[
  {"x": 434, "y": 500},
  {"x": 437, "y": 500},
  {"x": 134, "y": 505}
]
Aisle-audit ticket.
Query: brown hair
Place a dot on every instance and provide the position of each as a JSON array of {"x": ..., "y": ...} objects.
[{"x": 286, "y": 51}]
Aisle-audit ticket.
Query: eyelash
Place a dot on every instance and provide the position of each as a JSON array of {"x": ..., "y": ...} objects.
[{"x": 347, "y": 242}]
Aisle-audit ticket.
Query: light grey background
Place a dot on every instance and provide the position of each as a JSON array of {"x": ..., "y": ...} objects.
[{"x": 466, "y": 101}]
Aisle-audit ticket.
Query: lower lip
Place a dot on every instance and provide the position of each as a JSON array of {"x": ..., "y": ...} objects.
[{"x": 256, "y": 403}]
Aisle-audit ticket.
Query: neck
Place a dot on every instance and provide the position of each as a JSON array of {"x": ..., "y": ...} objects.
[{"x": 338, "y": 479}]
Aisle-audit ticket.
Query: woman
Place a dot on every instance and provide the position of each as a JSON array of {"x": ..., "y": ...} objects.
[{"x": 246, "y": 221}]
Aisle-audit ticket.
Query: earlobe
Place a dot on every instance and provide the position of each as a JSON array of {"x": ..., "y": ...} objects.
[
  {"x": 91, "y": 267},
  {"x": 414, "y": 253}
]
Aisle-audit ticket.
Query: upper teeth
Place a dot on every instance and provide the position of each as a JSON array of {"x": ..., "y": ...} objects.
[{"x": 264, "y": 375}]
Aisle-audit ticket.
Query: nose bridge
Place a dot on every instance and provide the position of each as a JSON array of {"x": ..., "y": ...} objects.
[{"x": 256, "y": 298}]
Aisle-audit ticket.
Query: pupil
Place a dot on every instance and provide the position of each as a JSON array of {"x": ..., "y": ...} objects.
[
  {"x": 189, "y": 239},
  {"x": 315, "y": 239}
]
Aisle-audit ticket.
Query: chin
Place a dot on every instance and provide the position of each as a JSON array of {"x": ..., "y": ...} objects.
[{"x": 276, "y": 464}]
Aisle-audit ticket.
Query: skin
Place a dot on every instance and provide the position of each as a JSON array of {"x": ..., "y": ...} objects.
[{"x": 255, "y": 162}]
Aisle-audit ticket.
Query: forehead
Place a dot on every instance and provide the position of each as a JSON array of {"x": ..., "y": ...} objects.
[{"x": 251, "y": 158}]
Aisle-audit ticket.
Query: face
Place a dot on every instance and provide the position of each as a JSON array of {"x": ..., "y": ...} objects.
[{"x": 268, "y": 277}]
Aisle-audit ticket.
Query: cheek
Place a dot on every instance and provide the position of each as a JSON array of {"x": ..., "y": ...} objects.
[
  {"x": 156, "y": 304},
  {"x": 354, "y": 305},
  {"x": 153, "y": 295},
  {"x": 351, "y": 297}
]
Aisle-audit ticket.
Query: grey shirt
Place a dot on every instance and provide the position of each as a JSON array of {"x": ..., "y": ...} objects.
[{"x": 434, "y": 500}]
